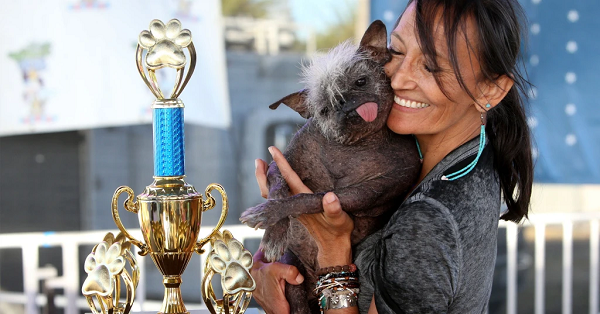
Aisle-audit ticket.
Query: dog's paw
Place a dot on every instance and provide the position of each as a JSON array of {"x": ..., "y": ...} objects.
[
  {"x": 274, "y": 242},
  {"x": 260, "y": 216},
  {"x": 273, "y": 252}
]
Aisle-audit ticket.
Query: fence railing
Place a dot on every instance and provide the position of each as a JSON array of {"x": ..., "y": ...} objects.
[
  {"x": 72, "y": 301},
  {"x": 69, "y": 242},
  {"x": 540, "y": 222}
]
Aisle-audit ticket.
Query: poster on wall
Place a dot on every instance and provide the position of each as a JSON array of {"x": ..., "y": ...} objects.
[{"x": 70, "y": 64}]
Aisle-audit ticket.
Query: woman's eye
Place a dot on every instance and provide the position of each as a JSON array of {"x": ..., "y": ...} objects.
[
  {"x": 394, "y": 51},
  {"x": 430, "y": 69},
  {"x": 361, "y": 81}
]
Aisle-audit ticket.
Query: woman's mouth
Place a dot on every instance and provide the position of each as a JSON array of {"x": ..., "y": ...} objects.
[{"x": 409, "y": 103}]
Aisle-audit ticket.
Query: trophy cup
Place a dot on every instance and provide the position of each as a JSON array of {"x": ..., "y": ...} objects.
[{"x": 170, "y": 210}]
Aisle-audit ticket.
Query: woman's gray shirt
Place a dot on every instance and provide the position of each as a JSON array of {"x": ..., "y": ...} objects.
[{"x": 438, "y": 251}]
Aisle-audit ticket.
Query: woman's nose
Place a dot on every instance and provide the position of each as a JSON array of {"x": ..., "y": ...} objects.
[{"x": 401, "y": 74}]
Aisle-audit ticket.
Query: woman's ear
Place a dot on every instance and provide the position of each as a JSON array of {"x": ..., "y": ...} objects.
[{"x": 493, "y": 92}]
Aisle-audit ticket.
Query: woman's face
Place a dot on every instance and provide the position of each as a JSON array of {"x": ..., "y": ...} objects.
[{"x": 420, "y": 106}]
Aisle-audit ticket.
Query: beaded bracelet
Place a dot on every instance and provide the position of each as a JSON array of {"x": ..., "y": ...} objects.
[{"x": 336, "y": 269}]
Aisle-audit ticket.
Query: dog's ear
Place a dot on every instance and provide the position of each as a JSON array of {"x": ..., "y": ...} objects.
[
  {"x": 374, "y": 41},
  {"x": 296, "y": 101}
]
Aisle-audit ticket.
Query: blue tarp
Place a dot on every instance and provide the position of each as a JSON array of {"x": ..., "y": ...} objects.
[{"x": 562, "y": 58}]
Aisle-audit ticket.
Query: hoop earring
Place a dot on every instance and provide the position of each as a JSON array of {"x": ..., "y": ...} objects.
[{"x": 462, "y": 172}]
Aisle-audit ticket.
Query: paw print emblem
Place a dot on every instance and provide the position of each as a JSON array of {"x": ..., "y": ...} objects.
[
  {"x": 233, "y": 262},
  {"x": 106, "y": 261},
  {"x": 165, "y": 44}
]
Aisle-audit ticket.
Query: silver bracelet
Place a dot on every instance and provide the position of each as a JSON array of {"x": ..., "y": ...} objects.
[{"x": 339, "y": 299}]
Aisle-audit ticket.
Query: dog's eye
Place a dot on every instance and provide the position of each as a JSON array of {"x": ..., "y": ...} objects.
[{"x": 361, "y": 81}]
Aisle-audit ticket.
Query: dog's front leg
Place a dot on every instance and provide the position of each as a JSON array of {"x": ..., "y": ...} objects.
[{"x": 270, "y": 212}]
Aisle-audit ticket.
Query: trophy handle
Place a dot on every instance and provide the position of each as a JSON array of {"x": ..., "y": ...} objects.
[
  {"x": 130, "y": 205},
  {"x": 209, "y": 203}
]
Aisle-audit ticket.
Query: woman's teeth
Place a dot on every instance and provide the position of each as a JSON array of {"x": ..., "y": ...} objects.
[{"x": 409, "y": 104}]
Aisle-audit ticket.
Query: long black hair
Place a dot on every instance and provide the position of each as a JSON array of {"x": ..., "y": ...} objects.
[{"x": 500, "y": 26}]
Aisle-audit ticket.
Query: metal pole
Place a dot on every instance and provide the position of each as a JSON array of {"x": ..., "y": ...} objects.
[
  {"x": 567, "y": 269},
  {"x": 30, "y": 276},
  {"x": 594, "y": 252},
  {"x": 363, "y": 17},
  {"x": 511, "y": 268},
  {"x": 540, "y": 257}
]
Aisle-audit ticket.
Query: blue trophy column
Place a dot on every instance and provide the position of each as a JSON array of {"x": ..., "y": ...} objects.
[{"x": 169, "y": 138}]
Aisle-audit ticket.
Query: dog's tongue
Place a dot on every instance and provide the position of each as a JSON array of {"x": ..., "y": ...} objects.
[{"x": 368, "y": 111}]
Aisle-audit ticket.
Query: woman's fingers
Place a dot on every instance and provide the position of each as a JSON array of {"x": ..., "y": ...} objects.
[
  {"x": 331, "y": 206},
  {"x": 260, "y": 172},
  {"x": 270, "y": 282},
  {"x": 287, "y": 272},
  {"x": 334, "y": 216},
  {"x": 333, "y": 222},
  {"x": 293, "y": 180}
]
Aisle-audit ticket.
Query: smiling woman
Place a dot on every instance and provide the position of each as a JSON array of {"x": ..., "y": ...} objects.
[
  {"x": 433, "y": 95},
  {"x": 456, "y": 81}
]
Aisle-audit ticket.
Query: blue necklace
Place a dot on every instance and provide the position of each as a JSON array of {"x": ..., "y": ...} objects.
[{"x": 462, "y": 172}]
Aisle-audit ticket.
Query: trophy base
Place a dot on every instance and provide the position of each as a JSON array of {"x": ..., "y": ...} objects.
[{"x": 172, "y": 302}]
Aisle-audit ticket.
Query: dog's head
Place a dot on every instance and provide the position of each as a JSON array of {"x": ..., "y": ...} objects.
[{"x": 347, "y": 93}]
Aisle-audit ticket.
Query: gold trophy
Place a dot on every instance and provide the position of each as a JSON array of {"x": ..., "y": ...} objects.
[{"x": 170, "y": 210}]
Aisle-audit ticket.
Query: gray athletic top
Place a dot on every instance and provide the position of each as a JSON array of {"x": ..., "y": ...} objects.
[{"x": 437, "y": 253}]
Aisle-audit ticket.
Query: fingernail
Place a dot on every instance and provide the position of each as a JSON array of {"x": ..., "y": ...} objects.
[
  {"x": 330, "y": 198},
  {"x": 255, "y": 163},
  {"x": 299, "y": 278},
  {"x": 271, "y": 150}
]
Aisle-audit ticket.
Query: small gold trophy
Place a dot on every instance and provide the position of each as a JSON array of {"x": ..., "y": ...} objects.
[{"x": 170, "y": 210}]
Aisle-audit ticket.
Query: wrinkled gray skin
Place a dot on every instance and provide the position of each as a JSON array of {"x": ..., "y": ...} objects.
[{"x": 366, "y": 165}]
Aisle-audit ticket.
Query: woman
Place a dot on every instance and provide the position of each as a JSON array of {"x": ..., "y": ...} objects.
[{"x": 455, "y": 75}]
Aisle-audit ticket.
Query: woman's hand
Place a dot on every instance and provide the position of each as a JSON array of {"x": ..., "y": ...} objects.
[
  {"x": 270, "y": 283},
  {"x": 331, "y": 229},
  {"x": 291, "y": 177}
]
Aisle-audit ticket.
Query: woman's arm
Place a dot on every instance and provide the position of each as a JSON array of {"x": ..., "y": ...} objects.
[{"x": 331, "y": 229}]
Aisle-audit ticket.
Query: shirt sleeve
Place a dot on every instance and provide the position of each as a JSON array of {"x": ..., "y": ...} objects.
[{"x": 419, "y": 263}]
